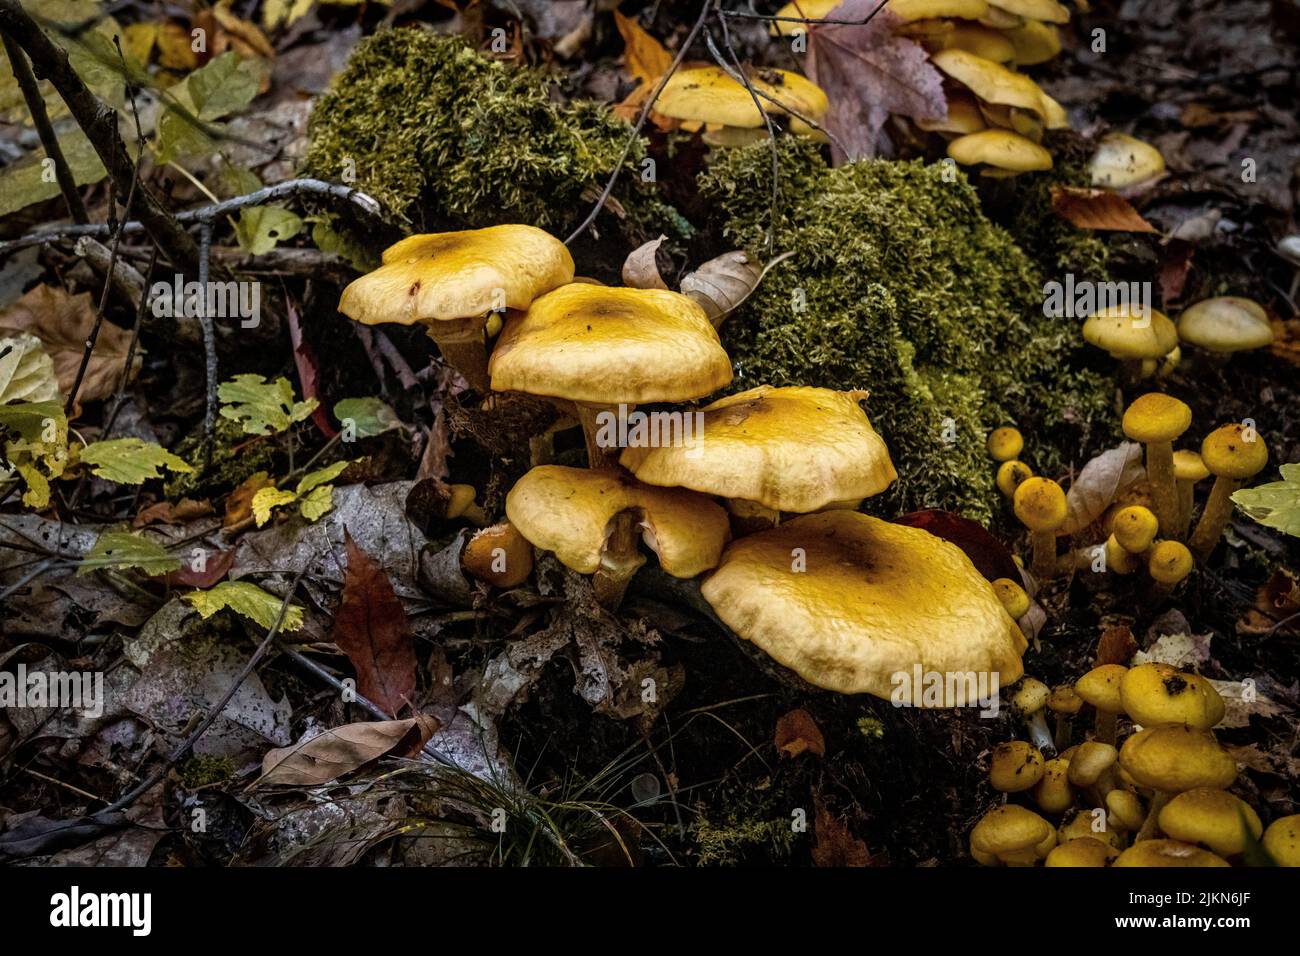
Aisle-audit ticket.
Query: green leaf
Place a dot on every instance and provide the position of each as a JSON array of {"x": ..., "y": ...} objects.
[
  {"x": 39, "y": 449},
  {"x": 320, "y": 476},
  {"x": 262, "y": 407},
  {"x": 1277, "y": 504},
  {"x": 223, "y": 86},
  {"x": 260, "y": 227},
  {"x": 248, "y": 600},
  {"x": 121, "y": 549},
  {"x": 131, "y": 461},
  {"x": 317, "y": 503},
  {"x": 31, "y": 180},
  {"x": 332, "y": 242},
  {"x": 369, "y": 416}
]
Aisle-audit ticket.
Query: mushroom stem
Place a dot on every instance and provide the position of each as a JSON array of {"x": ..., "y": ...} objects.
[
  {"x": 1184, "y": 509},
  {"x": 1218, "y": 509},
  {"x": 1062, "y": 736},
  {"x": 1160, "y": 472},
  {"x": 600, "y": 453},
  {"x": 1044, "y": 545},
  {"x": 619, "y": 561},
  {"x": 1107, "y": 722},
  {"x": 1038, "y": 733},
  {"x": 1150, "y": 824},
  {"x": 464, "y": 345}
]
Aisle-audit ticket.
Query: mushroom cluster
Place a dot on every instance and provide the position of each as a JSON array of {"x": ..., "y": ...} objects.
[{"x": 1160, "y": 799}]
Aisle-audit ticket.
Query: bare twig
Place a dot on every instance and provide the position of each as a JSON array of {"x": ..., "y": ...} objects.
[
  {"x": 209, "y": 345},
  {"x": 119, "y": 399},
  {"x": 41, "y": 120}
]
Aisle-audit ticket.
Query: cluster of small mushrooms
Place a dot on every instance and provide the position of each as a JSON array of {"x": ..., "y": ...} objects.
[
  {"x": 760, "y": 503},
  {"x": 1160, "y": 799},
  {"x": 1149, "y": 525}
]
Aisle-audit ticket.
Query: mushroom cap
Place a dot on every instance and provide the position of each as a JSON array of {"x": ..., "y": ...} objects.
[
  {"x": 1227, "y": 452},
  {"x": 444, "y": 276},
  {"x": 607, "y": 346},
  {"x": 1048, "y": 11},
  {"x": 480, "y": 557},
  {"x": 1005, "y": 443},
  {"x": 963, "y": 116},
  {"x": 981, "y": 40},
  {"x": 873, "y": 600},
  {"x": 708, "y": 94},
  {"x": 1155, "y": 695},
  {"x": 1082, "y": 851},
  {"x": 1011, "y": 474},
  {"x": 1100, "y": 687},
  {"x": 790, "y": 449},
  {"x": 1168, "y": 853},
  {"x": 1282, "y": 840},
  {"x": 910, "y": 10},
  {"x": 1001, "y": 149},
  {"x": 1090, "y": 761},
  {"x": 1189, "y": 466},
  {"x": 1135, "y": 527},
  {"x": 1082, "y": 823},
  {"x": 1064, "y": 700},
  {"x": 1126, "y": 809},
  {"x": 1127, "y": 334},
  {"x": 1034, "y": 42},
  {"x": 1169, "y": 562},
  {"x": 568, "y": 510},
  {"x": 1226, "y": 323},
  {"x": 1175, "y": 759},
  {"x": 1156, "y": 417},
  {"x": 1053, "y": 792},
  {"x": 1010, "y": 831},
  {"x": 1015, "y": 765},
  {"x": 1118, "y": 558},
  {"x": 1031, "y": 696},
  {"x": 1122, "y": 161},
  {"x": 1012, "y": 596},
  {"x": 1039, "y": 503},
  {"x": 1212, "y": 818},
  {"x": 994, "y": 83}
]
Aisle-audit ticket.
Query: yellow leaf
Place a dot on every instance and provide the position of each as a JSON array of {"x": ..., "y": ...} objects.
[
  {"x": 267, "y": 500},
  {"x": 644, "y": 56}
]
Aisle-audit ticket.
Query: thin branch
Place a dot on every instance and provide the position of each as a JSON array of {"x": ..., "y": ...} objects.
[
  {"x": 119, "y": 399},
  {"x": 705, "y": 9},
  {"x": 209, "y": 346},
  {"x": 41, "y": 120},
  {"x": 773, "y": 18},
  {"x": 202, "y": 214}
]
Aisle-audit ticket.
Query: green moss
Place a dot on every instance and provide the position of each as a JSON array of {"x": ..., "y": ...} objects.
[
  {"x": 201, "y": 771},
  {"x": 446, "y": 137},
  {"x": 236, "y": 456},
  {"x": 901, "y": 285},
  {"x": 1055, "y": 245}
]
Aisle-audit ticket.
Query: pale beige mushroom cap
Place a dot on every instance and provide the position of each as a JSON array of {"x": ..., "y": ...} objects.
[
  {"x": 1226, "y": 323},
  {"x": 605, "y": 346},
  {"x": 789, "y": 449},
  {"x": 1122, "y": 161},
  {"x": 568, "y": 511},
  {"x": 444, "y": 276},
  {"x": 1126, "y": 334},
  {"x": 873, "y": 600}
]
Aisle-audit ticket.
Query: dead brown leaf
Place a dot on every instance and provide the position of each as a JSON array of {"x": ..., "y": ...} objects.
[
  {"x": 797, "y": 732},
  {"x": 1286, "y": 340},
  {"x": 640, "y": 270},
  {"x": 836, "y": 846},
  {"x": 166, "y": 512},
  {"x": 1098, "y": 209},
  {"x": 341, "y": 750},
  {"x": 239, "y": 503},
  {"x": 643, "y": 56},
  {"x": 1117, "y": 646},
  {"x": 63, "y": 323}
]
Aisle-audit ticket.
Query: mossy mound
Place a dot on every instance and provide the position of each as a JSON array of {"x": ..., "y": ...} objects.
[
  {"x": 900, "y": 285},
  {"x": 448, "y": 138}
]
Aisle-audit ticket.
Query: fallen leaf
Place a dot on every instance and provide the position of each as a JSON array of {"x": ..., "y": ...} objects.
[
  {"x": 203, "y": 574},
  {"x": 1277, "y": 601},
  {"x": 1241, "y": 699},
  {"x": 1097, "y": 484},
  {"x": 371, "y": 628},
  {"x": 835, "y": 846},
  {"x": 868, "y": 73},
  {"x": 340, "y": 750},
  {"x": 167, "y": 512},
  {"x": 1286, "y": 340},
  {"x": 989, "y": 555},
  {"x": 722, "y": 284},
  {"x": 304, "y": 358},
  {"x": 1097, "y": 209},
  {"x": 643, "y": 56},
  {"x": 1184, "y": 651},
  {"x": 797, "y": 732},
  {"x": 63, "y": 323},
  {"x": 640, "y": 270},
  {"x": 1116, "y": 646},
  {"x": 247, "y": 600},
  {"x": 1175, "y": 264},
  {"x": 239, "y": 503},
  {"x": 1276, "y": 504}
]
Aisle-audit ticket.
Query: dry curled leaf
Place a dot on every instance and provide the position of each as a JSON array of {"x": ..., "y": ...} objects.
[
  {"x": 641, "y": 270},
  {"x": 63, "y": 323},
  {"x": 643, "y": 56},
  {"x": 835, "y": 845},
  {"x": 1096, "y": 486},
  {"x": 1117, "y": 646},
  {"x": 1097, "y": 209},
  {"x": 797, "y": 733},
  {"x": 340, "y": 750},
  {"x": 722, "y": 284}
]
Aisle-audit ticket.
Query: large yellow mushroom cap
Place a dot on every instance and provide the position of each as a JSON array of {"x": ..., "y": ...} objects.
[
  {"x": 1122, "y": 161},
  {"x": 606, "y": 346},
  {"x": 1082, "y": 851},
  {"x": 1232, "y": 451},
  {"x": 1040, "y": 504},
  {"x": 1048, "y": 11},
  {"x": 1226, "y": 323},
  {"x": 445, "y": 276},
  {"x": 1128, "y": 334},
  {"x": 568, "y": 511},
  {"x": 910, "y": 10},
  {"x": 708, "y": 94},
  {"x": 1034, "y": 42},
  {"x": 1100, "y": 687},
  {"x": 1155, "y": 694},
  {"x": 1001, "y": 149},
  {"x": 1176, "y": 759},
  {"x": 853, "y": 604},
  {"x": 1156, "y": 417},
  {"x": 1168, "y": 853},
  {"x": 790, "y": 449},
  {"x": 1013, "y": 835},
  {"x": 994, "y": 83},
  {"x": 1212, "y": 818},
  {"x": 1282, "y": 840}
]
